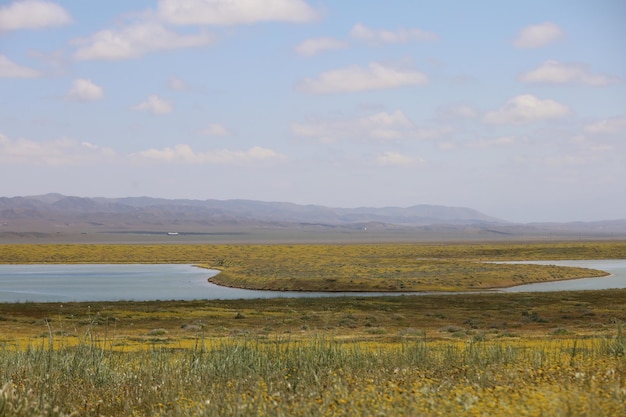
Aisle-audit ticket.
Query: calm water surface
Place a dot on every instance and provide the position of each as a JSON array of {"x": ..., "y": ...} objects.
[
  {"x": 55, "y": 283},
  {"x": 107, "y": 282}
]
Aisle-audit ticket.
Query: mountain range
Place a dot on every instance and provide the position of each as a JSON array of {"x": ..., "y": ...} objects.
[{"x": 52, "y": 213}]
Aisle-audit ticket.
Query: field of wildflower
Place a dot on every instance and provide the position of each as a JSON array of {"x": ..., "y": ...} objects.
[
  {"x": 556, "y": 354},
  {"x": 320, "y": 377},
  {"x": 518, "y": 354}
]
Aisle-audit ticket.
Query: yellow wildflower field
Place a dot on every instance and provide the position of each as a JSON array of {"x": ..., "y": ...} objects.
[{"x": 521, "y": 354}]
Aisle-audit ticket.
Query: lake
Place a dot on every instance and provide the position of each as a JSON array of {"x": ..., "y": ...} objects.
[
  {"x": 143, "y": 282},
  {"x": 115, "y": 282}
]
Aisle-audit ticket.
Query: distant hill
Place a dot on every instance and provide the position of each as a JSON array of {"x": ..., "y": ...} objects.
[
  {"x": 51, "y": 214},
  {"x": 58, "y": 209}
]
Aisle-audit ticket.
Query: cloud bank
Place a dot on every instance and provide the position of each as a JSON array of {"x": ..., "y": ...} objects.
[
  {"x": 70, "y": 152},
  {"x": 382, "y": 36},
  {"x": 60, "y": 152},
  {"x": 155, "y": 105},
  {"x": 234, "y": 12},
  {"x": 32, "y": 14},
  {"x": 84, "y": 90},
  {"x": 375, "y": 76},
  {"x": 382, "y": 127},
  {"x": 184, "y": 154},
  {"x": 134, "y": 41},
  {"x": 556, "y": 72},
  {"x": 526, "y": 108},
  {"x": 311, "y": 47},
  {"x": 537, "y": 36}
]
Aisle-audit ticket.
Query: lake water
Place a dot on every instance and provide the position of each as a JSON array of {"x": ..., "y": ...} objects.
[
  {"x": 115, "y": 282},
  {"x": 64, "y": 283}
]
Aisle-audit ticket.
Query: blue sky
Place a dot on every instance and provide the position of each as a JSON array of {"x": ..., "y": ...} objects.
[{"x": 516, "y": 109}]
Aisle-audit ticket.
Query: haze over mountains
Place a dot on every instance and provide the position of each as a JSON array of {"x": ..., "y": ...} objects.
[
  {"x": 52, "y": 213},
  {"x": 131, "y": 211}
]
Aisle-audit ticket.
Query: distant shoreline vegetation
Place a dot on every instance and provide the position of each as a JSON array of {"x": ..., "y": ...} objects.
[{"x": 344, "y": 267}]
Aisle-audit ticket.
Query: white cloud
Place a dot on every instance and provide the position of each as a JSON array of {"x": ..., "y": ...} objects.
[
  {"x": 491, "y": 143},
  {"x": 611, "y": 125},
  {"x": 233, "y": 12},
  {"x": 56, "y": 152},
  {"x": 526, "y": 108},
  {"x": 379, "y": 36},
  {"x": 136, "y": 40},
  {"x": 69, "y": 152},
  {"x": 32, "y": 14},
  {"x": 381, "y": 126},
  {"x": 391, "y": 158},
  {"x": 155, "y": 104},
  {"x": 351, "y": 79},
  {"x": 216, "y": 129},
  {"x": 312, "y": 47},
  {"x": 84, "y": 90},
  {"x": 9, "y": 69},
  {"x": 177, "y": 84},
  {"x": 536, "y": 36},
  {"x": 184, "y": 154},
  {"x": 553, "y": 71}
]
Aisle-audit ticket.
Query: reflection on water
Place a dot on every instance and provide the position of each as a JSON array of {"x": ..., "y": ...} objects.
[{"x": 63, "y": 283}]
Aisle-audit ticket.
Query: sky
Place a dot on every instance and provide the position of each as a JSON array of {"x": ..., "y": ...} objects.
[{"x": 516, "y": 109}]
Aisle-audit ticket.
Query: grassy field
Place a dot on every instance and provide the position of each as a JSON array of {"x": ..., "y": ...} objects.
[
  {"x": 346, "y": 267},
  {"x": 527, "y": 354},
  {"x": 557, "y": 354}
]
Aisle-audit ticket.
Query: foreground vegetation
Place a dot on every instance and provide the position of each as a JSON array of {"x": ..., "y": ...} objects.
[
  {"x": 348, "y": 267},
  {"x": 322, "y": 377},
  {"x": 556, "y": 354}
]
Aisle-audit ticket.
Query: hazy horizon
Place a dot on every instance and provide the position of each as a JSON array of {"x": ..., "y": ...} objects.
[
  {"x": 504, "y": 219},
  {"x": 517, "y": 110}
]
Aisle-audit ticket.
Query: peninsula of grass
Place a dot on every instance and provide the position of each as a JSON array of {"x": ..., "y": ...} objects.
[{"x": 345, "y": 267}]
